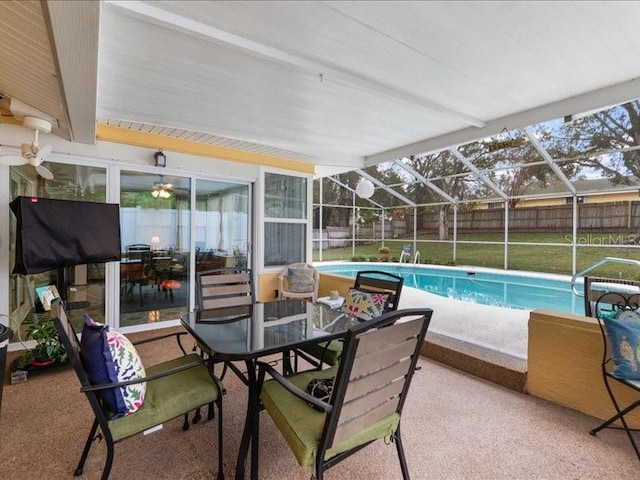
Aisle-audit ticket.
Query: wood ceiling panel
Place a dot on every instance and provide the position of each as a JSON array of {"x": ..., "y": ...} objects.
[{"x": 27, "y": 69}]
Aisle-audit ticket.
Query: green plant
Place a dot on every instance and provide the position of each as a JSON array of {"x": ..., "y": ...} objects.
[
  {"x": 48, "y": 344},
  {"x": 384, "y": 250}
]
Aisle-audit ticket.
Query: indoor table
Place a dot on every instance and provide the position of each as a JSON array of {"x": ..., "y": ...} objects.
[{"x": 248, "y": 333}]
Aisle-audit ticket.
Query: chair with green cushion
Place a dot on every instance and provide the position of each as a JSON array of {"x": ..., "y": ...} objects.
[
  {"x": 369, "y": 390},
  {"x": 173, "y": 388},
  {"x": 370, "y": 281}
]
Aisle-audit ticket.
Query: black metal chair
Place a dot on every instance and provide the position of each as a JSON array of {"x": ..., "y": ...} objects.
[
  {"x": 371, "y": 281},
  {"x": 173, "y": 388},
  {"x": 227, "y": 291},
  {"x": 369, "y": 390},
  {"x": 606, "y": 298},
  {"x": 381, "y": 282},
  {"x": 224, "y": 293}
]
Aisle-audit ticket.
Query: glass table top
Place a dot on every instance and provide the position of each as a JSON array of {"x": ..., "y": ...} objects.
[{"x": 266, "y": 327}]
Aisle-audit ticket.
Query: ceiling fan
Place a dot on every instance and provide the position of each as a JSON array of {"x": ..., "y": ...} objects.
[
  {"x": 161, "y": 189},
  {"x": 32, "y": 153}
]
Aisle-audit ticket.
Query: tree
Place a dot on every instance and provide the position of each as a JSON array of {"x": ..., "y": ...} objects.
[{"x": 615, "y": 128}]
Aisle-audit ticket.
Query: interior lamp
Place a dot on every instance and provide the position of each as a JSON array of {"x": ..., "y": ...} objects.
[
  {"x": 155, "y": 241},
  {"x": 161, "y": 158},
  {"x": 365, "y": 188}
]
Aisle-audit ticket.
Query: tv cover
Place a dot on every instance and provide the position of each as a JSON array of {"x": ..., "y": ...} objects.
[{"x": 63, "y": 233}]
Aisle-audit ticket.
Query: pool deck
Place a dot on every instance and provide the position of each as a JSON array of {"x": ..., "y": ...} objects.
[{"x": 487, "y": 341}]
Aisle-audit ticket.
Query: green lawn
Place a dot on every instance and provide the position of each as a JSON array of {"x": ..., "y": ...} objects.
[{"x": 536, "y": 258}]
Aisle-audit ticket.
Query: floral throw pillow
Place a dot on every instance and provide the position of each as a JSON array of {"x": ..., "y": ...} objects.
[
  {"x": 109, "y": 357},
  {"x": 624, "y": 336},
  {"x": 365, "y": 305}
]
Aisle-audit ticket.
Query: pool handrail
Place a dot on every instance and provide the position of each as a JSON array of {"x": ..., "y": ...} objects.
[
  {"x": 407, "y": 254},
  {"x": 600, "y": 262}
]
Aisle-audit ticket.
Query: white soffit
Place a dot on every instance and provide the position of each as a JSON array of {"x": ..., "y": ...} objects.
[{"x": 27, "y": 65}]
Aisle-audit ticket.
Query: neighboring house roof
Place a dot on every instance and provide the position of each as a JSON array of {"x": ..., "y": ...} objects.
[{"x": 586, "y": 186}]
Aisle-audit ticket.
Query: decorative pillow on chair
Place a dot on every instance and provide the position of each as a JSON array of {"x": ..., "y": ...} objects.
[
  {"x": 110, "y": 357},
  {"x": 624, "y": 337},
  {"x": 365, "y": 305},
  {"x": 300, "y": 278}
]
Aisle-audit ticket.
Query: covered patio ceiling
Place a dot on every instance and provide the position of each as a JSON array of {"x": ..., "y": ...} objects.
[{"x": 341, "y": 85}]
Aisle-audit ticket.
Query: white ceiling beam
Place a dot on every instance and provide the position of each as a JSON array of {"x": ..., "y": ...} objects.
[
  {"x": 426, "y": 182},
  {"x": 381, "y": 185},
  {"x": 324, "y": 72},
  {"x": 75, "y": 31},
  {"x": 613, "y": 95},
  {"x": 467, "y": 163}
]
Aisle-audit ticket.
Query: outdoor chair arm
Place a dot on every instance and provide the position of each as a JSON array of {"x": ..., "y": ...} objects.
[
  {"x": 133, "y": 381},
  {"x": 161, "y": 337},
  {"x": 290, "y": 387}
]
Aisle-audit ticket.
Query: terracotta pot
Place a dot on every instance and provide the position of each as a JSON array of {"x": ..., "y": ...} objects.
[{"x": 41, "y": 363}]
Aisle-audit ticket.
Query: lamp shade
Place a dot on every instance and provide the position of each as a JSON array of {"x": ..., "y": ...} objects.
[{"x": 365, "y": 188}]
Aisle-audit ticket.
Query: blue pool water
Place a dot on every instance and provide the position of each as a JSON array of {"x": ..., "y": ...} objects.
[{"x": 509, "y": 290}]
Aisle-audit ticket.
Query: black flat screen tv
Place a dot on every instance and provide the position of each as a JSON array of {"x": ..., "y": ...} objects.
[{"x": 63, "y": 233}]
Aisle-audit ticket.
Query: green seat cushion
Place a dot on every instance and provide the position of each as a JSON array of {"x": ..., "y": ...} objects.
[
  {"x": 302, "y": 425},
  {"x": 330, "y": 356},
  {"x": 169, "y": 397}
]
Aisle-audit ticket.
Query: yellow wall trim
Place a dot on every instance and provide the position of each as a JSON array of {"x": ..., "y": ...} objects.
[{"x": 109, "y": 133}]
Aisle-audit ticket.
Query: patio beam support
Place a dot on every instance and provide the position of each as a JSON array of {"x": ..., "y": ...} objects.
[
  {"x": 547, "y": 158},
  {"x": 467, "y": 163},
  {"x": 338, "y": 182},
  {"x": 426, "y": 182},
  {"x": 390, "y": 191}
]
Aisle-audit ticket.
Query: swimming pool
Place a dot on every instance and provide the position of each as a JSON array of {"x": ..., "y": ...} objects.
[{"x": 518, "y": 290}]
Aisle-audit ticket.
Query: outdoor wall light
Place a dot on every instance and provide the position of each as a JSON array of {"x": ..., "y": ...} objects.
[
  {"x": 365, "y": 188},
  {"x": 161, "y": 159}
]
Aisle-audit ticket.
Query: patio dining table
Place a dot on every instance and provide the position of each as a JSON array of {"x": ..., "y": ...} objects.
[{"x": 262, "y": 329}]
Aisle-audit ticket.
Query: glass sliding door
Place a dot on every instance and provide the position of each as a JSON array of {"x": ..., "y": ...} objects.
[
  {"x": 222, "y": 225},
  {"x": 86, "y": 292},
  {"x": 155, "y": 226}
]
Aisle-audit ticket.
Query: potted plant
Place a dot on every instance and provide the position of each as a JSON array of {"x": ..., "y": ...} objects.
[
  {"x": 48, "y": 350},
  {"x": 383, "y": 253}
]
